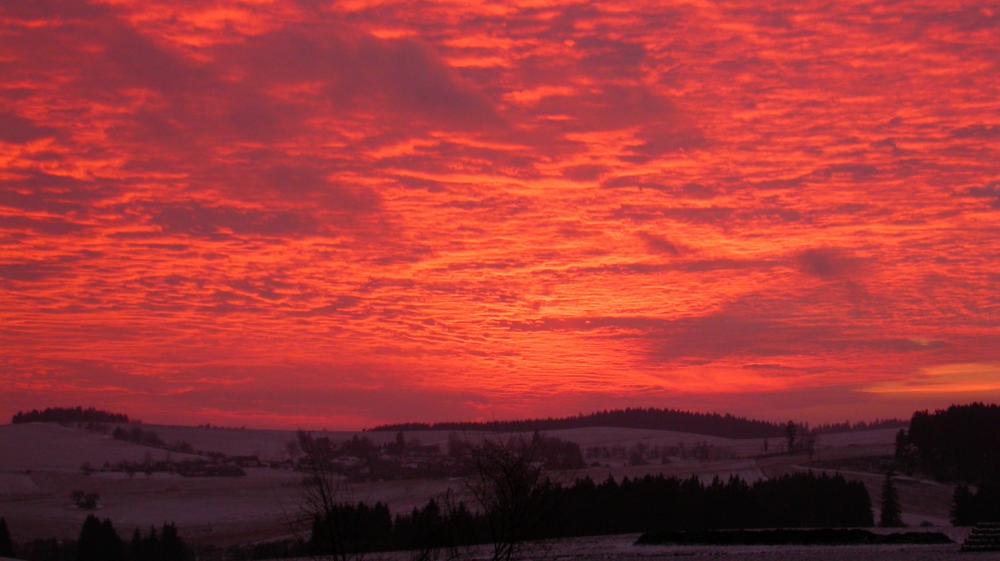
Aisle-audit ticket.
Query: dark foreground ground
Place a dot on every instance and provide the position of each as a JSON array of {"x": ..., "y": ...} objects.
[{"x": 623, "y": 548}]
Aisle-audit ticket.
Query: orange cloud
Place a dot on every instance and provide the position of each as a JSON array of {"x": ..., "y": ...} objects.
[{"x": 496, "y": 210}]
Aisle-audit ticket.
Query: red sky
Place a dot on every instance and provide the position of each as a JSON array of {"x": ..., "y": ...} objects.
[{"x": 336, "y": 214}]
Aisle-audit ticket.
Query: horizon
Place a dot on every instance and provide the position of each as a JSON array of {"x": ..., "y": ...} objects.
[
  {"x": 431, "y": 422},
  {"x": 297, "y": 213}
]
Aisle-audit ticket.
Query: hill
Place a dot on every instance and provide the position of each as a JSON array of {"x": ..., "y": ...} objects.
[
  {"x": 45, "y": 446},
  {"x": 709, "y": 424},
  {"x": 69, "y": 415}
]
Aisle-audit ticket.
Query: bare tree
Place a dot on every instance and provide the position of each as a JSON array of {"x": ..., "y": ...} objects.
[
  {"x": 507, "y": 485},
  {"x": 452, "y": 528},
  {"x": 324, "y": 499},
  {"x": 292, "y": 449}
]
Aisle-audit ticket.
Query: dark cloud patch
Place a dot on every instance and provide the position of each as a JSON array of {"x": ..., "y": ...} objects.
[
  {"x": 829, "y": 263},
  {"x": 604, "y": 56},
  {"x": 19, "y": 130},
  {"x": 662, "y": 126},
  {"x": 692, "y": 214},
  {"x": 697, "y": 191},
  {"x": 771, "y": 213},
  {"x": 43, "y": 269},
  {"x": 44, "y": 9},
  {"x": 294, "y": 183},
  {"x": 47, "y": 226},
  {"x": 665, "y": 137},
  {"x": 990, "y": 192},
  {"x": 337, "y": 305},
  {"x": 638, "y": 181},
  {"x": 659, "y": 244},
  {"x": 40, "y": 191},
  {"x": 27, "y": 271},
  {"x": 411, "y": 75},
  {"x": 856, "y": 171},
  {"x": 361, "y": 71},
  {"x": 721, "y": 335},
  {"x": 134, "y": 60},
  {"x": 779, "y": 184},
  {"x": 584, "y": 172},
  {"x": 977, "y": 132},
  {"x": 218, "y": 222},
  {"x": 728, "y": 334},
  {"x": 615, "y": 107},
  {"x": 266, "y": 288}
]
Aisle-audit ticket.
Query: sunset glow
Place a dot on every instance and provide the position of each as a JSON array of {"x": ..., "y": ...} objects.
[{"x": 335, "y": 214}]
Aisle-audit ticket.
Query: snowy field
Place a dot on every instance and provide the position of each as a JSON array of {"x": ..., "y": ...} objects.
[
  {"x": 623, "y": 548},
  {"x": 40, "y": 467}
]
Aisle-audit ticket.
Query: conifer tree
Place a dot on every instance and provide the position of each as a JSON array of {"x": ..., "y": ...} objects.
[
  {"x": 891, "y": 515},
  {"x": 963, "y": 507},
  {"x": 173, "y": 547},
  {"x": 6, "y": 546},
  {"x": 99, "y": 541}
]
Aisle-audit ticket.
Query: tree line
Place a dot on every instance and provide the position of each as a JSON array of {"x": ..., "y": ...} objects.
[
  {"x": 588, "y": 508},
  {"x": 68, "y": 415},
  {"x": 711, "y": 424},
  {"x": 960, "y": 443},
  {"x": 972, "y": 506},
  {"x": 848, "y": 426},
  {"x": 100, "y": 541}
]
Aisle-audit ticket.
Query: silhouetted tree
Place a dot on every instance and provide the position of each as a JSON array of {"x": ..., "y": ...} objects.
[
  {"x": 961, "y": 443},
  {"x": 508, "y": 487},
  {"x": 99, "y": 541},
  {"x": 173, "y": 547},
  {"x": 970, "y": 508},
  {"x": 441, "y": 527},
  {"x": 83, "y": 500},
  {"x": 138, "y": 436},
  {"x": 891, "y": 515},
  {"x": 963, "y": 507},
  {"x": 848, "y": 426},
  {"x": 49, "y": 549},
  {"x": 6, "y": 545},
  {"x": 165, "y": 545},
  {"x": 336, "y": 524},
  {"x": 791, "y": 431}
]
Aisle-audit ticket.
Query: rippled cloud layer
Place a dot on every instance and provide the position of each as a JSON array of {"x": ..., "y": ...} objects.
[{"x": 335, "y": 214}]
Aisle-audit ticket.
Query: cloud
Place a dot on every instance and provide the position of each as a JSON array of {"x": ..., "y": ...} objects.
[
  {"x": 359, "y": 71},
  {"x": 658, "y": 244},
  {"x": 36, "y": 270},
  {"x": 195, "y": 219},
  {"x": 39, "y": 191},
  {"x": 20, "y": 130},
  {"x": 989, "y": 191},
  {"x": 570, "y": 202},
  {"x": 974, "y": 379},
  {"x": 42, "y": 225},
  {"x": 829, "y": 263},
  {"x": 978, "y": 132}
]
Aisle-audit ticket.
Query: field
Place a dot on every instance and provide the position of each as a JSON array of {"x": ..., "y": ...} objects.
[
  {"x": 623, "y": 548},
  {"x": 40, "y": 467}
]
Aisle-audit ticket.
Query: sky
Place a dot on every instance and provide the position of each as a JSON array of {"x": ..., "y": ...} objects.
[{"x": 336, "y": 214}]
